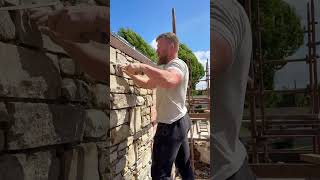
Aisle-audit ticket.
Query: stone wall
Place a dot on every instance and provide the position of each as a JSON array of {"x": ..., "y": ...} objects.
[
  {"x": 54, "y": 118},
  {"x": 130, "y": 118}
]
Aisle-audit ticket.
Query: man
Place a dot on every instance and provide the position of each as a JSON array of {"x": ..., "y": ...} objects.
[
  {"x": 171, "y": 81},
  {"x": 70, "y": 27},
  {"x": 231, "y": 40}
]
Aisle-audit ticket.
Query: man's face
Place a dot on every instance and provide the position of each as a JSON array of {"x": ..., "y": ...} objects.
[{"x": 163, "y": 50}]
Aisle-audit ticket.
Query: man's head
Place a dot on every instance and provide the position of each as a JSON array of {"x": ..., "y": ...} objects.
[{"x": 167, "y": 47}]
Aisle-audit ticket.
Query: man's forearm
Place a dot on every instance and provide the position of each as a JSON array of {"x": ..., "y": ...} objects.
[
  {"x": 162, "y": 78},
  {"x": 142, "y": 82},
  {"x": 92, "y": 60}
]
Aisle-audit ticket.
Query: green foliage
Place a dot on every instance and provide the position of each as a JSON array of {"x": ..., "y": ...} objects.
[
  {"x": 196, "y": 67},
  {"x": 282, "y": 35},
  {"x": 184, "y": 52},
  {"x": 138, "y": 42}
]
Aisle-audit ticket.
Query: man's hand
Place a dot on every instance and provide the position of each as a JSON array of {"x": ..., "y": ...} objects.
[
  {"x": 40, "y": 15},
  {"x": 132, "y": 69},
  {"x": 70, "y": 22}
]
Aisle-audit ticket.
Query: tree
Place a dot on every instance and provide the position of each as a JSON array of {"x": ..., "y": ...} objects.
[
  {"x": 138, "y": 42},
  {"x": 184, "y": 53},
  {"x": 282, "y": 35},
  {"x": 196, "y": 67}
]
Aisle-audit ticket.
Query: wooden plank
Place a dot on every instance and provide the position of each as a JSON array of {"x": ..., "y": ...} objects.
[
  {"x": 199, "y": 115},
  {"x": 311, "y": 158}
]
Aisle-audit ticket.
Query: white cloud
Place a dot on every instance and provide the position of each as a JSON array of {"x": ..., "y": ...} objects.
[
  {"x": 154, "y": 44},
  {"x": 202, "y": 57}
]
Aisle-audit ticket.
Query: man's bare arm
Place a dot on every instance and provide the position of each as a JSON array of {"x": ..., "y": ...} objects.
[
  {"x": 163, "y": 78},
  {"x": 143, "y": 81},
  {"x": 221, "y": 54}
]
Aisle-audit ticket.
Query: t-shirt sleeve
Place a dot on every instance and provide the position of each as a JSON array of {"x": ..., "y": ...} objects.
[
  {"x": 178, "y": 66},
  {"x": 225, "y": 21}
]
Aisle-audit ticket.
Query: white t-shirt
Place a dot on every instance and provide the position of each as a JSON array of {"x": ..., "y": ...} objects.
[
  {"x": 228, "y": 153},
  {"x": 171, "y": 103}
]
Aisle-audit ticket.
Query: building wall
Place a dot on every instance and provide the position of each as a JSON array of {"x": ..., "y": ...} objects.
[
  {"x": 130, "y": 117},
  {"x": 56, "y": 122}
]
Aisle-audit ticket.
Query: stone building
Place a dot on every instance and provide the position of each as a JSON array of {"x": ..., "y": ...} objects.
[{"x": 56, "y": 122}]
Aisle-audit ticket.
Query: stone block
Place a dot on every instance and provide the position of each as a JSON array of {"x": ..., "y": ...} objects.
[
  {"x": 140, "y": 91},
  {"x": 149, "y": 101},
  {"x": 119, "y": 101},
  {"x": 119, "y": 134},
  {"x": 118, "y": 117},
  {"x": 131, "y": 156},
  {"x": 36, "y": 125},
  {"x": 119, "y": 166},
  {"x": 135, "y": 120},
  {"x": 81, "y": 163},
  {"x": 31, "y": 166},
  {"x": 101, "y": 96},
  {"x": 7, "y": 28},
  {"x": 96, "y": 124},
  {"x": 145, "y": 111},
  {"x": 75, "y": 90},
  {"x": 69, "y": 67},
  {"x": 118, "y": 85},
  {"x": 26, "y": 73},
  {"x": 29, "y": 34}
]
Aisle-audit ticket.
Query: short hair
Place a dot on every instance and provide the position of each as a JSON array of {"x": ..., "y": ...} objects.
[{"x": 172, "y": 37}]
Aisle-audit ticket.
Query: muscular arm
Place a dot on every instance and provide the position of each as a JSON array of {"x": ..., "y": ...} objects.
[
  {"x": 221, "y": 54},
  {"x": 162, "y": 78},
  {"x": 143, "y": 81}
]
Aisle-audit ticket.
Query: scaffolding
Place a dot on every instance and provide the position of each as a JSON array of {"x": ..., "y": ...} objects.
[
  {"x": 200, "y": 129},
  {"x": 265, "y": 126}
]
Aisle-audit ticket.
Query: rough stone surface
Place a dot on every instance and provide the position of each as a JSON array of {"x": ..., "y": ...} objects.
[
  {"x": 36, "y": 125},
  {"x": 120, "y": 101},
  {"x": 140, "y": 100},
  {"x": 145, "y": 121},
  {"x": 68, "y": 66},
  {"x": 135, "y": 120},
  {"x": 7, "y": 28},
  {"x": 29, "y": 34},
  {"x": 119, "y": 134},
  {"x": 131, "y": 157},
  {"x": 96, "y": 124},
  {"x": 141, "y": 91},
  {"x": 118, "y": 85},
  {"x": 82, "y": 163},
  {"x": 29, "y": 74},
  {"x": 4, "y": 116},
  {"x": 75, "y": 90},
  {"x": 68, "y": 89},
  {"x": 2, "y": 140},
  {"x": 119, "y": 166},
  {"x": 100, "y": 95},
  {"x": 149, "y": 100},
  {"x": 125, "y": 144},
  {"x": 118, "y": 117},
  {"x": 34, "y": 166}
]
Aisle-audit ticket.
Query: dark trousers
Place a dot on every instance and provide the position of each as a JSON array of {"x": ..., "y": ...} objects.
[
  {"x": 171, "y": 146},
  {"x": 244, "y": 173}
]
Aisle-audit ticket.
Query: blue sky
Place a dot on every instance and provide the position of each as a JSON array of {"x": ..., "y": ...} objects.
[{"x": 149, "y": 18}]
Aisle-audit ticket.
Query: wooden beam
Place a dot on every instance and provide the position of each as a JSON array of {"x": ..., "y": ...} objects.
[{"x": 310, "y": 158}]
